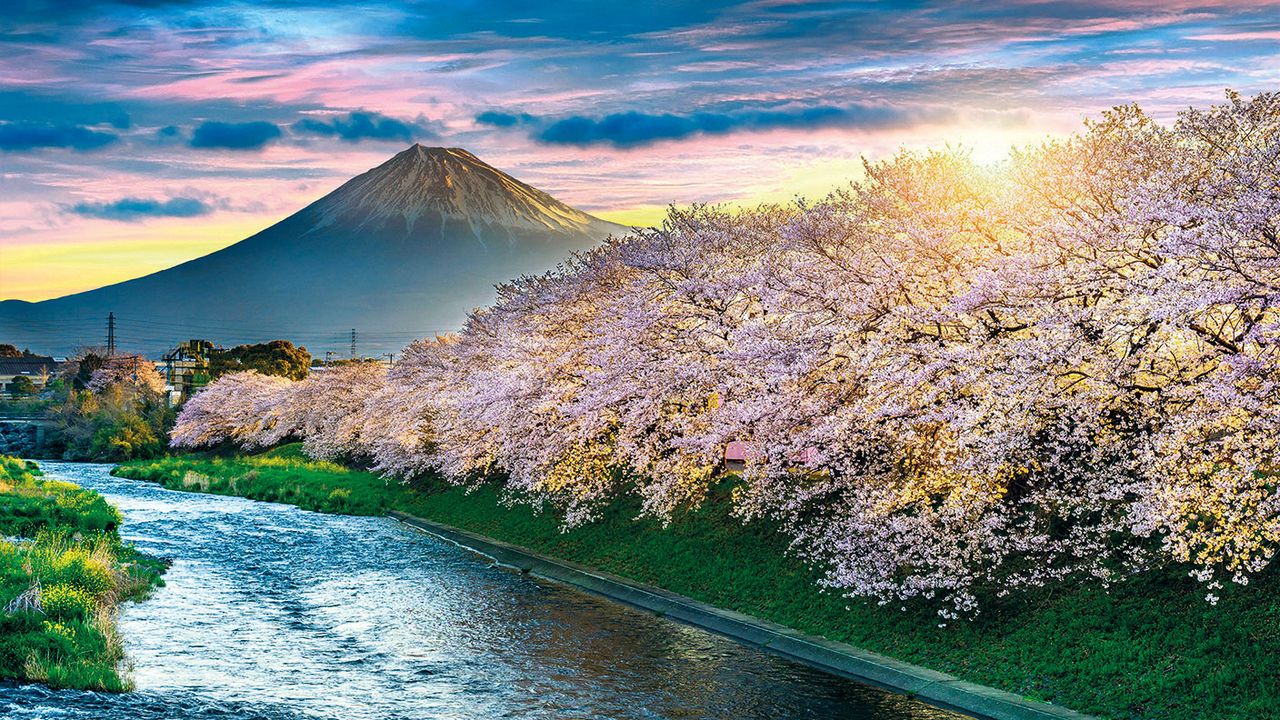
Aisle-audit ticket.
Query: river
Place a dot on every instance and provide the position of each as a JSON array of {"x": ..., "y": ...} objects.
[{"x": 274, "y": 612}]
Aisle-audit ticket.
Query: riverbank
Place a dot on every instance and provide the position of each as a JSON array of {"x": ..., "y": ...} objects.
[
  {"x": 1151, "y": 648},
  {"x": 63, "y": 573}
]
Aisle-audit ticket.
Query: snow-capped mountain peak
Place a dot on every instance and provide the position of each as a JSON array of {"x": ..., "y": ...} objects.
[{"x": 436, "y": 184}]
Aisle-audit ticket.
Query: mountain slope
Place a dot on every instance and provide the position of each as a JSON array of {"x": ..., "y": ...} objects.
[{"x": 403, "y": 250}]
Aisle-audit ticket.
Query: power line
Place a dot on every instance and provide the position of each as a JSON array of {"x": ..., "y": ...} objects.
[
  {"x": 205, "y": 324},
  {"x": 93, "y": 327},
  {"x": 146, "y": 334},
  {"x": 166, "y": 328}
]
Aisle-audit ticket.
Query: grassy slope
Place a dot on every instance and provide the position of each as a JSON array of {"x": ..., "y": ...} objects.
[
  {"x": 65, "y": 537},
  {"x": 1150, "y": 649}
]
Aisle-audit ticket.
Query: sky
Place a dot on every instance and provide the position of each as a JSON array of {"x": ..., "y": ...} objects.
[{"x": 136, "y": 135}]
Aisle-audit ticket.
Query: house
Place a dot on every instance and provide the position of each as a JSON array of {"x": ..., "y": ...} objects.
[
  {"x": 36, "y": 368},
  {"x": 737, "y": 453}
]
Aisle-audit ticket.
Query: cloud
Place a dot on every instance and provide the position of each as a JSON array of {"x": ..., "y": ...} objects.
[
  {"x": 358, "y": 126},
  {"x": 235, "y": 136},
  {"x": 133, "y": 209},
  {"x": 1245, "y": 36},
  {"x": 501, "y": 119},
  {"x": 168, "y": 135},
  {"x": 635, "y": 129},
  {"x": 24, "y": 136}
]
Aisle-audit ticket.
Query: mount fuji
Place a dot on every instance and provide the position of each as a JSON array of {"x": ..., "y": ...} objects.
[{"x": 404, "y": 250}]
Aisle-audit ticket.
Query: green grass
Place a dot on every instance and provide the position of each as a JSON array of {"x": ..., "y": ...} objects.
[
  {"x": 60, "y": 545},
  {"x": 1151, "y": 648}
]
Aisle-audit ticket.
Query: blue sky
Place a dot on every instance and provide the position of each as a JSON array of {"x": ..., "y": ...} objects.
[{"x": 138, "y": 134}]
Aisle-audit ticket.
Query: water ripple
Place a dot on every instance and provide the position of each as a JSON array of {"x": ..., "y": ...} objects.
[{"x": 276, "y": 613}]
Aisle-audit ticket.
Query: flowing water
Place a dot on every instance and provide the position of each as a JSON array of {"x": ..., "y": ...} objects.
[{"x": 274, "y": 612}]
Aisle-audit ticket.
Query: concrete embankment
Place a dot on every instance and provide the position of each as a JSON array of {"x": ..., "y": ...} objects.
[{"x": 935, "y": 687}]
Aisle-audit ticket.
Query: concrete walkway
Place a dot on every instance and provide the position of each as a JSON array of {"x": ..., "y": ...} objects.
[{"x": 838, "y": 658}]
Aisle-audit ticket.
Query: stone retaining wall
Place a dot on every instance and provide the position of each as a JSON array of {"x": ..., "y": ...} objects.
[{"x": 20, "y": 439}]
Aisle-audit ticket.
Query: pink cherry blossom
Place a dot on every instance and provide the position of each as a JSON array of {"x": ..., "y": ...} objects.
[{"x": 947, "y": 382}]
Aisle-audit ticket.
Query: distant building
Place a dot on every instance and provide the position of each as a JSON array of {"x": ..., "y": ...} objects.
[
  {"x": 186, "y": 369},
  {"x": 37, "y": 368},
  {"x": 737, "y": 453}
]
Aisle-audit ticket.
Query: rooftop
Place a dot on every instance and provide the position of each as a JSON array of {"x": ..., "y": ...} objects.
[{"x": 29, "y": 365}]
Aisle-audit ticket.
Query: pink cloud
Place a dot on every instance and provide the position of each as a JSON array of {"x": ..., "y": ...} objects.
[{"x": 1238, "y": 36}]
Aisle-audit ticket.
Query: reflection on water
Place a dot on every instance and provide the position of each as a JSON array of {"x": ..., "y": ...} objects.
[{"x": 274, "y": 612}]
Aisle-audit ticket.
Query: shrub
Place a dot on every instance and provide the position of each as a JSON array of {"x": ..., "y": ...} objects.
[
  {"x": 109, "y": 424},
  {"x": 59, "y": 628},
  {"x": 66, "y": 602},
  {"x": 78, "y": 568},
  {"x": 339, "y": 499},
  {"x": 26, "y": 642}
]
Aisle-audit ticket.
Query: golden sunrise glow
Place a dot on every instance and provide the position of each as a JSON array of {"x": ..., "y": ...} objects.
[{"x": 41, "y": 271}]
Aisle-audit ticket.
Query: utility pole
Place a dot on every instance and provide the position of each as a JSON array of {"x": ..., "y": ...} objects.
[
  {"x": 391, "y": 358},
  {"x": 328, "y": 355},
  {"x": 353, "y": 343},
  {"x": 169, "y": 378},
  {"x": 111, "y": 334}
]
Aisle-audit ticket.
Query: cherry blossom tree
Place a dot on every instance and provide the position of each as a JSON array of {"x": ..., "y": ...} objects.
[
  {"x": 325, "y": 410},
  {"x": 238, "y": 407},
  {"x": 398, "y": 419},
  {"x": 133, "y": 373},
  {"x": 951, "y": 381}
]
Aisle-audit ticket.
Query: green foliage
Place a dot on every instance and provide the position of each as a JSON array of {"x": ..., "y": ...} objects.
[
  {"x": 278, "y": 357},
  {"x": 61, "y": 653},
  {"x": 124, "y": 437},
  {"x": 110, "y": 426},
  {"x": 66, "y": 602},
  {"x": 122, "y": 420},
  {"x": 16, "y": 470},
  {"x": 27, "y": 406},
  {"x": 68, "y": 553},
  {"x": 23, "y": 386},
  {"x": 85, "y": 367},
  {"x": 1150, "y": 648},
  {"x": 26, "y": 637},
  {"x": 78, "y": 568},
  {"x": 281, "y": 475},
  {"x": 29, "y": 505}
]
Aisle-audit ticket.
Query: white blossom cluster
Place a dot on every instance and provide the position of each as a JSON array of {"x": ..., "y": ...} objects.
[
  {"x": 955, "y": 381},
  {"x": 132, "y": 373}
]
